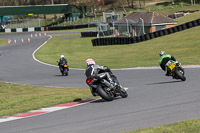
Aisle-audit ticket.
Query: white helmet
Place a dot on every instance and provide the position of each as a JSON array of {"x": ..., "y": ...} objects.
[
  {"x": 62, "y": 56},
  {"x": 90, "y": 62}
]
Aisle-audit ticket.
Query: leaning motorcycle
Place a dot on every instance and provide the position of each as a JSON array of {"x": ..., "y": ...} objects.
[
  {"x": 98, "y": 88},
  {"x": 177, "y": 72}
]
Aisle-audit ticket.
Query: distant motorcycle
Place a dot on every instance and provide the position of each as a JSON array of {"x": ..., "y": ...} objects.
[
  {"x": 63, "y": 69},
  {"x": 98, "y": 88},
  {"x": 177, "y": 72}
]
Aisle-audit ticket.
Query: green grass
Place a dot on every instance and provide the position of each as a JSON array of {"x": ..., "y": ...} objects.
[
  {"x": 65, "y": 35},
  {"x": 3, "y": 41},
  {"x": 189, "y": 126},
  {"x": 187, "y": 18},
  {"x": 183, "y": 45},
  {"x": 15, "y": 98}
]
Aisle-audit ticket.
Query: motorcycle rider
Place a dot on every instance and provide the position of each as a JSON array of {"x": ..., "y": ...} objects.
[
  {"x": 62, "y": 62},
  {"x": 164, "y": 60},
  {"x": 94, "y": 69}
]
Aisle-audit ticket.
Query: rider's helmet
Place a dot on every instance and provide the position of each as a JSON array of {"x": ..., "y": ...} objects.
[
  {"x": 62, "y": 56},
  {"x": 162, "y": 53},
  {"x": 90, "y": 62}
]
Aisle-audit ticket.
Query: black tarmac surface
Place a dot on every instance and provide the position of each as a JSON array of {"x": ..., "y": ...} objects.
[{"x": 153, "y": 100}]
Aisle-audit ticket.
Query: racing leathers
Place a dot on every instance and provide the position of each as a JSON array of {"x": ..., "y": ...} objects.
[
  {"x": 101, "y": 71},
  {"x": 163, "y": 62},
  {"x": 61, "y": 64}
]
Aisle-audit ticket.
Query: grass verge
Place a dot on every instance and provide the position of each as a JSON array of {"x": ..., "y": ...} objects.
[
  {"x": 3, "y": 41},
  {"x": 183, "y": 45},
  {"x": 189, "y": 126},
  {"x": 15, "y": 98},
  {"x": 65, "y": 35}
]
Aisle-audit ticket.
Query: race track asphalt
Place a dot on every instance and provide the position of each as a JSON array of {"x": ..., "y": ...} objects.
[{"x": 153, "y": 99}]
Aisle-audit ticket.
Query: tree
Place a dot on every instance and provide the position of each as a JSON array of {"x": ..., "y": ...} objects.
[{"x": 128, "y": 3}]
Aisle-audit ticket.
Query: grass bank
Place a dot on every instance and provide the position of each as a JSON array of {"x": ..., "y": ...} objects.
[
  {"x": 183, "y": 45},
  {"x": 15, "y": 98},
  {"x": 189, "y": 126}
]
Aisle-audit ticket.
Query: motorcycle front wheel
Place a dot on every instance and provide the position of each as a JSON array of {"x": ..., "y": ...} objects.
[
  {"x": 123, "y": 93},
  {"x": 108, "y": 96}
]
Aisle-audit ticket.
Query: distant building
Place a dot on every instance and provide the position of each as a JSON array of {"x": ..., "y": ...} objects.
[{"x": 139, "y": 23}]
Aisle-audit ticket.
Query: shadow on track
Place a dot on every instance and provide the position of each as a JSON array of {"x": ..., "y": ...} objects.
[
  {"x": 102, "y": 100},
  {"x": 168, "y": 82}
]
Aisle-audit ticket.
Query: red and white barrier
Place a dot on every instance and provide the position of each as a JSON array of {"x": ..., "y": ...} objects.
[
  {"x": 15, "y": 41},
  {"x": 29, "y": 40},
  {"x": 22, "y": 40}
]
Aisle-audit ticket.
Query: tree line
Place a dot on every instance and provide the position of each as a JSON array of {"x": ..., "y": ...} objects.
[{"x": 93, "y": 3}]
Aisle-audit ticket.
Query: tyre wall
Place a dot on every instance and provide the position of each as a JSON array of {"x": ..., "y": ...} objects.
[
  {"x": 131, "y": 40},
  {"x": 94, "y": 33}
]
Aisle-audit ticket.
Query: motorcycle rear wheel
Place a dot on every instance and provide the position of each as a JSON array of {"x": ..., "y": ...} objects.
[
  {"x": 180, "y": 75},
  {"x": 108, "y": 96}
]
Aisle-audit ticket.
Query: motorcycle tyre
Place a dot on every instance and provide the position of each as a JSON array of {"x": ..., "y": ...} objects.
[
  {"x": 62, "y": 73},
  {"x": 180, "y": 75},
  {"x": 103, "y": 94},
  {"x": 123, "y": 93},
  {"x": 65, "y": 72}
]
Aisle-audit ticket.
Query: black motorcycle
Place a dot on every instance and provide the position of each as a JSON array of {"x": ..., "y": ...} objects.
[
  {"x": 64, "y": 68},
  {"x": 98, "y": 88}
]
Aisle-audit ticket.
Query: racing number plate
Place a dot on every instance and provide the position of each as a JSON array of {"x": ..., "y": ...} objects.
[
  {"x": 171, "y": 66},
  {"x": 65, "y": 65}
]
